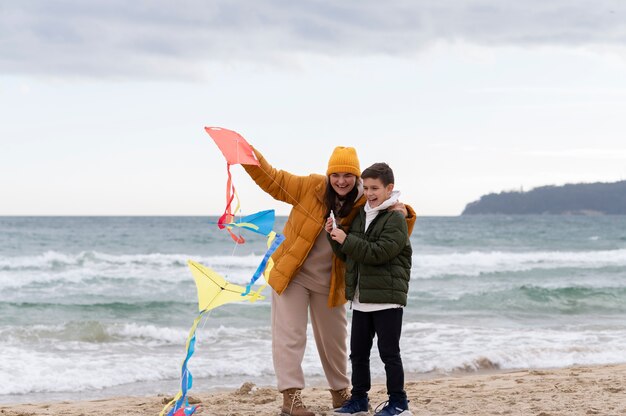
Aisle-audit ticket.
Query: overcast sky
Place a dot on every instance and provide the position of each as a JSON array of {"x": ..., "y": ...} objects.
[{"x": 103, "y": 103}]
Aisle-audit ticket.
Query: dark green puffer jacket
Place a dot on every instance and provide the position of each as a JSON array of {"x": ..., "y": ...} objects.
[{"x": 379, "y": 259}]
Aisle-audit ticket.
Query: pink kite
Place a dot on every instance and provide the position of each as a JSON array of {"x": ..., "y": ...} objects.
[{"x": 236, "y": 150}]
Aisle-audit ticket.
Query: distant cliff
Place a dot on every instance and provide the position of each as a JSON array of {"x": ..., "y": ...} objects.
[{"x": 574, "y": 199}]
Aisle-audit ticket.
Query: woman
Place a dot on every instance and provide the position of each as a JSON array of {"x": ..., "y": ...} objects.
[{"x": 307, "y": 277}]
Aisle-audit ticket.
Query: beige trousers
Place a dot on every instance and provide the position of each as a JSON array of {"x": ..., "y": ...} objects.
[{"x": 289, "y": 324}]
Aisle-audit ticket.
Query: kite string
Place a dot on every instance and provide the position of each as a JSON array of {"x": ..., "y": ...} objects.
[
  {"x": 292, "y": 197},
  {"x": 232, "y": 255},
  {"x": 205, "y": 318}
]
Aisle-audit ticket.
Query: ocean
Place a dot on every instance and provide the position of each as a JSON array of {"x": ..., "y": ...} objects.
[{"x": 94, "y": 307}]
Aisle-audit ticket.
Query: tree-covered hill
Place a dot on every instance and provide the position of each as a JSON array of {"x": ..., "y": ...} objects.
[{"x": 578, "y": 199}]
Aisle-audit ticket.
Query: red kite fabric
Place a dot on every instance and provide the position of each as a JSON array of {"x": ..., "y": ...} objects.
[
  {"x": 236, "y": 150},
  {"x": 234, "y": 147}
]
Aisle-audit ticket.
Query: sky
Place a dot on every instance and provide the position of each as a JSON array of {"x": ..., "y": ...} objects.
[{"x": 103, "y": 104}]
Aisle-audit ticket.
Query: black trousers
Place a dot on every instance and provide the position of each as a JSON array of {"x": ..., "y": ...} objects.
[{"x": 387, "y": 326}]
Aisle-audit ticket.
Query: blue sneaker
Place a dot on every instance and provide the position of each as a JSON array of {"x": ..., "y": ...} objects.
[
  {"x": 394, "y": 408},
  {"x": 354, "y": 407}
]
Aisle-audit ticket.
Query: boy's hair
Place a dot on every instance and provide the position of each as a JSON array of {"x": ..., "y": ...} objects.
[{"x": 380, "y": 171}]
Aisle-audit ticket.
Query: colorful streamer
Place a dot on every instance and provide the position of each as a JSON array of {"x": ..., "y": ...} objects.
[
  {"x": 273, "y": 242},
  {"x": 213, "y": 291}
]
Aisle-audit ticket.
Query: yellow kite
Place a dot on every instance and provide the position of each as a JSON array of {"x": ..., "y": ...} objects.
[{"x": 213, "y": 291}]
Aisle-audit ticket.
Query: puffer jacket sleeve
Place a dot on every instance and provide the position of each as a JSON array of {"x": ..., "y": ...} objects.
[
  {"x": 279, "y": 184},
  {"x": 410, "y": 219},
  {"x": 390, "y": 243}
]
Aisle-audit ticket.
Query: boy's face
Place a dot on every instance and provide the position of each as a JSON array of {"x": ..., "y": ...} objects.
[{"x": 375, "y": 192}]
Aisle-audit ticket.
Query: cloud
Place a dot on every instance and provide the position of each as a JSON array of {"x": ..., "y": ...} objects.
[{"x": 166, "y": 39}]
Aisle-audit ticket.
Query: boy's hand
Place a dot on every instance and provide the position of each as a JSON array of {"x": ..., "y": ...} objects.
[{"x": 338, "y": 235}]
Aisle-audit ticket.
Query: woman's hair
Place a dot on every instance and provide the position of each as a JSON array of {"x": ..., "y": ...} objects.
[
  {"x": 343, "y": 160},
  {"x": 330, "y": 198}
]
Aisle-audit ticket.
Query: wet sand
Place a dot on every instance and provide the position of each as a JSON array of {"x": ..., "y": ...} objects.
[{"x": 598, "y": 390}]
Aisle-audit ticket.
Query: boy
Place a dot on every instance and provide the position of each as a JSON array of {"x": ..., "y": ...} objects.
[{"x": 377, "y": 253}]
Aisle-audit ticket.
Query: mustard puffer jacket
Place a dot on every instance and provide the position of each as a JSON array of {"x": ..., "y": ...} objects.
[{"x": 306, "y": 220}]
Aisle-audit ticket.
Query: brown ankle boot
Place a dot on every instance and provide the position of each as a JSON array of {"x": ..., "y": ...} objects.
[
  {"x": 340, "y": 397},
  {"x": 292, "y": 404}
]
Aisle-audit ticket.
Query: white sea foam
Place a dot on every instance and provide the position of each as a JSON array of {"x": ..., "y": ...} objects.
[
  {"x": 80, "y": 366},
  {"x": 120, "y": 333},
  {"x": 437, "y": 347},
  {"x": 84, "y": 266},
  {"x": 476, "y": 263},
  {"x": 51, "y": 260},
  {"x": 237, "y": 352},
  {"x": 59, "y": 267},
  {"x": 155, "y": 277}
]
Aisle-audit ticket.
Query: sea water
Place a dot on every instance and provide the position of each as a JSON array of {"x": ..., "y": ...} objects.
[{"x": 101, "y": 306}]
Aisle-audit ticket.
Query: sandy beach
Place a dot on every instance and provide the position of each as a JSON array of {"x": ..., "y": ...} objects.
[{"x": 598, "y": 390}]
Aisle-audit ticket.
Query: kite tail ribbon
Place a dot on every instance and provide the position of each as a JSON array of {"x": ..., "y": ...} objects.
[
  {"x": 229, "y": 215},
  {"x": 180, "y": 403},
  {"x": 273, "y": 241}
]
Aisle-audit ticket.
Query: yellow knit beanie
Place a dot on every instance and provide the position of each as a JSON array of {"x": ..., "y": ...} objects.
[{"x": 344, "y": 159}]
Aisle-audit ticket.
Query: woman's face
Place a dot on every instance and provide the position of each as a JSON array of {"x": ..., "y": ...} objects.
[{"x": 342, "y": 183}]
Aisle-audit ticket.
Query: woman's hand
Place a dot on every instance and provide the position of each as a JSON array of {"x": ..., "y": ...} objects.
[
  {"x": 399, "y": 206},
  {"x": 329, "y": 225},
  {"x": 338, "y": 235}
]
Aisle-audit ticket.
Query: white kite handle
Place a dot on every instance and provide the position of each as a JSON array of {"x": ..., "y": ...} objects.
[{"x": 332, "y": 217}]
